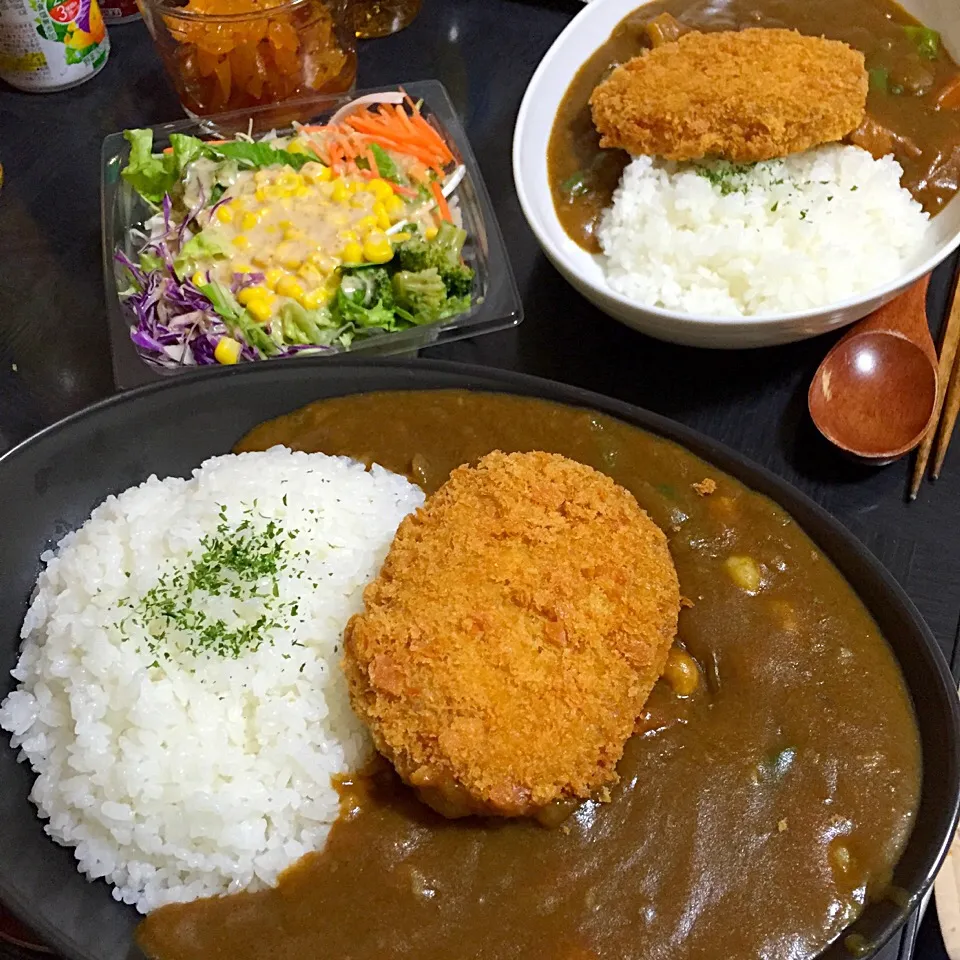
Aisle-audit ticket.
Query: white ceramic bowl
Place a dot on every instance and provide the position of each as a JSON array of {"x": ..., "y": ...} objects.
[{"x": 583, "y": 35}]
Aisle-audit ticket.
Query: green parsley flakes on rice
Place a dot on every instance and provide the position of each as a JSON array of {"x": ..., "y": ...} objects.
[
  {"x": 769, "y": 238},
  {"x": 180, "y": 693}
]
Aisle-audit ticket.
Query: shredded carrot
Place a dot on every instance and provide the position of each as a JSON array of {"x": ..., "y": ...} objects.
[
  {"x": 314, "y": 128},
  {"x": 403, "y": 191},
  {"x": 398, "y": 130},
  {"x": 345, "y": 145},
  {"x": 334, "y": 151},
  {"x": 372, "y": 160},
  {"x": 442, "y": 204}
]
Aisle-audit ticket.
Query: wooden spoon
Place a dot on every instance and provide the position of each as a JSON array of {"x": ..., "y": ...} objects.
[{"x": 875, "y": 393}]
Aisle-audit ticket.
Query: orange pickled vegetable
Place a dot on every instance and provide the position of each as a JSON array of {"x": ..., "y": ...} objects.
[{"x": 280, "y": 51}]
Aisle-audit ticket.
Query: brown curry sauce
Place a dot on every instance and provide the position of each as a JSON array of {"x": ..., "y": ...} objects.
[
  {"x": 905, "y": 89},
  {"x": 752, "y": 819}
]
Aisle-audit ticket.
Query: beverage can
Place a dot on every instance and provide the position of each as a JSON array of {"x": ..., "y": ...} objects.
[
  {"x": 119, "y": 11},
  {"x": 49, "y": 45}
]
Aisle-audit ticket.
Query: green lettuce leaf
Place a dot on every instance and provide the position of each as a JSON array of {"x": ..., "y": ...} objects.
[
  {"x": 151, "y": 175},
  {"x": 185, "y": 150},
  {"x": 388, "y": 169},
  {"x": 208, "y": 244},
  {"x": 150, "y": 262},
  {"x": 259, "y": 154},
  {"x": 238, "y": 319}
]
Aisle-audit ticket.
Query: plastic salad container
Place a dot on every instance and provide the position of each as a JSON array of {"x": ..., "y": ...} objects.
[{"x": 494, "y": 301}]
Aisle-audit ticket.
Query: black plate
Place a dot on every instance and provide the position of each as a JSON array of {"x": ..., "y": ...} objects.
[{"x": 51, "y": 483}]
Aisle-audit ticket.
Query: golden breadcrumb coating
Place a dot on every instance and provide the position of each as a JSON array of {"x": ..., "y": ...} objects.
[
  {"x": 513, "y": 635},
  {"x": 740, "y": 95}
]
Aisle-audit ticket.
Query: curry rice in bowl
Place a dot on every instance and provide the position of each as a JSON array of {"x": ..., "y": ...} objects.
[
  {"x": 721, "y": 254},
  {"x": 186, "y": 720}
]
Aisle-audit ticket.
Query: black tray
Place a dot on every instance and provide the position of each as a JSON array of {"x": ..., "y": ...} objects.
[{"x": 54, "y": 480}]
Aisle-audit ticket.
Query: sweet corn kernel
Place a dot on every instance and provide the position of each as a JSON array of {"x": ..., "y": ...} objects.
[
  {"x": 249, "y": 220},
  {"x": 260, "y": 310},
  {"x": 296, "y": 147},
  {"x": 301, "y": 193},
  {"x": 272, "y": 277},
  {"x": 261, "y": 194},
  {"x": 323, "y": 261},
  {"x": 360, "y": 201},
  {"x": 248, "y": 294},
  {"x": 339, "y": 194},
  {"x": 348, "y": 236},
  {"x": 380, "y": 212},
  {"x": 354, "y": 185},
  {"x": 314, "y": 299},
  {"x": 293, "y": 233},
  {"x": 241, "y": 242},
  {"x": 290, "y": 181},
  {"x": 352, "y": 252},
  {"x": 224, "y": 213},
  {"x": 243, "y": 268},
  {"x": 315, "y": 172},
  {"x": 396, "y": 208},
  {"x": 261, "y": 259},
  {"x": 381, "y": 190},
  {"x": 366, "y": 224},
  {"x": 261, "y": 177},
  {"x": 288, "y": 287},
  {"x": 401, "y": 237},
  {"x": 430, "y": 232},
  {"x": 198, "y": 278},
  {"x": 310, "y": 275},
  {"x": 227, "y": 351},
  {"x": 377, "y": 249}
]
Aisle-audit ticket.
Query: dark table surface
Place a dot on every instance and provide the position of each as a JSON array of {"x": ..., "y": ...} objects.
[{"x": 55, "y": 358}]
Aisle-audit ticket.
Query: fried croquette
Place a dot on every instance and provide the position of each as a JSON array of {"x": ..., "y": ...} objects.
[
  {"x": 513, "y": 635},
  {"x": 742, "y": 96}
]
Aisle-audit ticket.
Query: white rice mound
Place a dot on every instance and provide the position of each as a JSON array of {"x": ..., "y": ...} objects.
[
  {"x": 778, "y": 237},
  {"x": 203, "y": 774}
]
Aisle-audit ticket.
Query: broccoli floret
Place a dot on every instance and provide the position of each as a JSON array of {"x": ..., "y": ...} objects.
[
  {"x": 458, "y": 281},
  {"x": 421, "y": 294},
  {"x": 365, "y": 298},
  {"x": 448, "y": 246},
  {"x": 441, "y": 254},
  {"x": 382, "y": 287},
  {"x": 413, "y": 255}
]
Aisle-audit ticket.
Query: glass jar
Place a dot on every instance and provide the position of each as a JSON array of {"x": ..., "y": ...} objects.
[
  {"x": 380, "y": 18},
  {"x": 234, "y": 54}
]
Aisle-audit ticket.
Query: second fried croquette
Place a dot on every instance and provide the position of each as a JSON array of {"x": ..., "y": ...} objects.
[
  {"x": 743, "y": 96},
  {"x": 513, "y": 635}
]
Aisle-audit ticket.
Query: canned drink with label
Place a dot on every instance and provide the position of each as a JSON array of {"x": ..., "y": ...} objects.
[{"x": 50, "y": 45}]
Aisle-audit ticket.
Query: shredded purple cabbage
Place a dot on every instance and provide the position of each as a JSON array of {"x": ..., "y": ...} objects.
[{"x": 175, "y": 324}]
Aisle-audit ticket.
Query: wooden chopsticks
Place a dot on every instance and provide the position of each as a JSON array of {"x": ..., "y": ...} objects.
[{"x": 948, "y": 396}]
